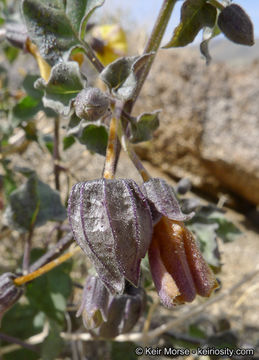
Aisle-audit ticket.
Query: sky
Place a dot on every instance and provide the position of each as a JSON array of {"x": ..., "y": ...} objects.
[{"x": 145, "y": 11}]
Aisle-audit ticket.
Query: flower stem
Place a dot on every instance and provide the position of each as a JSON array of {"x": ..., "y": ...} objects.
[
  {"x": 217, "y": 4},
  {"x": 111, "y": 151},
  {"x": 127, "y": 146},
  {"x": 56, "y": 156},
  {"x": 46, "y": 268},
  {"x": 153, "y": 44},
  {"x": 91, "y": 56}
]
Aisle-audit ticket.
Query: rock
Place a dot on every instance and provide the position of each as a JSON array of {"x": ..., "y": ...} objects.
[{"x": 209, "y": 125}]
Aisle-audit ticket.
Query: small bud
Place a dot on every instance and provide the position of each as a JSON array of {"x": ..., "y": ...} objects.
[
  {"x": 91, "y": 104},
  {"x": 183, "y": 186},
  {"x": 236, "y": 25},
  {"x": 107, "y": 315},
  {"x": 9, "y": 292},
  {"x": 95, "y": 301}
]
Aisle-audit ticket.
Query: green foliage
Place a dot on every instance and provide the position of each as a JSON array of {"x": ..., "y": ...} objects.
[
  {"x": 56, "y": 27},
  {"x": 64, "y": 84},
  {"x": 33, "y": 204},
  {"x": 208, "y": 224},
  {"x": 49, "y": 293},
  {"x": 122, "y": 75},
  {"x": 195, "y": 14},
  {"x": 145, "y": 125},
  {"x": 91, "y": 134}
]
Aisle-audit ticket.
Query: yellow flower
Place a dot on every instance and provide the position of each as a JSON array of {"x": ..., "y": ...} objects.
[{"x": 109, "y": 42}]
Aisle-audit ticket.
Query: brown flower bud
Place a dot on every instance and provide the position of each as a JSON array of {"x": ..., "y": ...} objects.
[
  {"x": 234, "y": 22},
  {"x": 9, "y": 292},
  {"x": 91, "y": 104}
]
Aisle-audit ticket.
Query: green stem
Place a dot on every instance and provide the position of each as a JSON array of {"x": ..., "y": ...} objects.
[
  {"x": 153, "y": 44},
  {"x": 127, "y": 146},
  {"x": 91, "y": 56},
  {"x": 217, "y": 4}
]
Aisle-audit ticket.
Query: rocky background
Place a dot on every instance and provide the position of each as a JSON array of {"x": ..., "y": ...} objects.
[{"x": 209, "y": 128}]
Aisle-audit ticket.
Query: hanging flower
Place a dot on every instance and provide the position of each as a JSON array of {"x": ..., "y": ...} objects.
[
  {"x": 178, "y": 269},
  {"x": 108, "y": 315},
  {"x": 111, "y": 222}
]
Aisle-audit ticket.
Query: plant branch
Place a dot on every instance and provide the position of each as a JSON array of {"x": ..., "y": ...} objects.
[
  {"x": 19, "y": 342},
  {"x": 56, "y": 155},
  {"x": 91, "y": 56},
  {"x": 153, "y": 45},
  {"x": 111, "y": 151},
  {"x": 127, "y": 146},
  {"x": 46, "y": 268},
  {"x": 217, "y": 4},
  {"x": 54, "y": 252}
]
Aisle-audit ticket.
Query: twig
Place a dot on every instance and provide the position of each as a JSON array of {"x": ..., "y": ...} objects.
[
  {"x": 139, "y": 338},
  {"x": 46, "y": 268},
  {"x": 56, "y": 155},
  {"x": 54, "y": 252},
  {"x": 19, "y": 342},
  {"x": 27, "y": 252},
  {"x": 111, "y": 151}
]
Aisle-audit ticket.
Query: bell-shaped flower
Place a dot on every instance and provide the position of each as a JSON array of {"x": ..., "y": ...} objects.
[
  {"x": 106, "y": 315},
  {"x": 178, "y": 269},
  {"x": 111, "y": 222}
]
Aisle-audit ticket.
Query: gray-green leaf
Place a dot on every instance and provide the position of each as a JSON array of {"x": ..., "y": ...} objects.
[
  {"x": 64, "y": 84},
  {"x": 195, "y": 14},
  {"x": 122, "y": 75},
  {"x": 33, "y": 203},
  {"x": 143, "y": 128},
  {"x": 56, "y": 26}
]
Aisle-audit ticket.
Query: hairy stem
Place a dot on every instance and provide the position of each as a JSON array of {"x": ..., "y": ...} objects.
[
  {"x": 54, "y": 252},
  {"x": 153, "y": 45},
  {"x": 56, "y": 155},
  {"x": 111, "y": 151},
  {"x": 46, "y": 268},
  {"x": 91, "y": 56},
  {"x": 27, "y": 252},
  {"x": 19, "y": 342},
  {"x": 217, "y": 4},
  {"x": 127, "y": 146}
]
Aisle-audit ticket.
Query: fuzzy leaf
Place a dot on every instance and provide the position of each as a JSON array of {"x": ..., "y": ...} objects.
[
  {"x": 122, "y": 75},
  {"x": 195, "y": 14},
  {"x": 95, "y": 137},
  {"x": 25, "y": 109},
  {"x": 162, "y": 197},
  {"x": 144, "y": 127},
  {"x": 56, "y": 26},
  {"x": 111, "y": 221},
  {"x": 64, "y": 84},
  {"x": 33, "y": 202}
]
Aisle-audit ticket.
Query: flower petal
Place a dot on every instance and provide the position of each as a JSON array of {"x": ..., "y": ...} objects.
[
  {"x": 170, "y": 242},
  {"x": 204, "y": 279},
  {"x": 90, "y": 226},
  {"x": 162, "y": 197}
]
